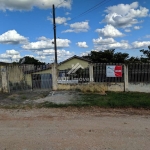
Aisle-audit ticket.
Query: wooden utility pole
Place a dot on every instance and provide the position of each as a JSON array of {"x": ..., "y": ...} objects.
[{"x": 54, "y": 25}]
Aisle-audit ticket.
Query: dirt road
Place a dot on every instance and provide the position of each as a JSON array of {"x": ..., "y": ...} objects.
[{"x": 74, "y": 129}]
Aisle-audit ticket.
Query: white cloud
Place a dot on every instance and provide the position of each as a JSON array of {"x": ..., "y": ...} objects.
[
  {"x": 108, "y": 45},
  {"x": 127, "y": 30},
  {"x": 122, "y": 9},
  {"x": 78, "y": 27},
  {"x": 12, "y": 37},
  {"x": 67, "y": 13},
  {"x": 41, "y": 58},
  {"x": 59, "y": 20},
  {"x": 101, "y": 41},
  {"x": 117, "y": 45},
  {"x": 147, "y": 36},
  {"x": 82, "y": 44},
  {"x": 12, "y": 5},
  {"x": 50, "y": 52},
  {"x": 61, "y": 54},
  {"x": 30, "y": 55},
  {"x": 45, "y": 43},
  {"x": 125, "y": 15},
  {"x": 10, "y": 55},
  {"x": 85, "y": 53},
  {"x": 143, "y": 44},
  {"x": 5, "y": 60},
  {"x": 12, "y": 52},
  {"x": 42, "y": 38},
  {"x": 137, "y": 27},
  {"x": 109, "y": 31}
]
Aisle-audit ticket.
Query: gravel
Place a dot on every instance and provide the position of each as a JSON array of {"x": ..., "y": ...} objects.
[
  {"x": 74, "y": 129},
  {"x": 59, "y": 97}
]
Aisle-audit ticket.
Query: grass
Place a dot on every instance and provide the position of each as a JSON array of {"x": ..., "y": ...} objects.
[
  {"x": 111, "y": 100},
  {"x": 23, "y": 97}
]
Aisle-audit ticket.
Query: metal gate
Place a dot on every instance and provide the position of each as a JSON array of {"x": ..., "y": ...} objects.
[{"x": 41, "y": 81}]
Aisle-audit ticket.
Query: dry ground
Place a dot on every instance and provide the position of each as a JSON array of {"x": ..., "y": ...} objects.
[{"x": 74, "y": 129}]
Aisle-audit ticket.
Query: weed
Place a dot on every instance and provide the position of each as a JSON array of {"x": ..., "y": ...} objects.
[
  {"x": 23, "y": 97},
  {"x": 12, "y": 98}
]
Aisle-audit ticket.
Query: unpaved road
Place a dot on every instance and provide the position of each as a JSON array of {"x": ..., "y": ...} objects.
[{"x": 74, "y": 129}]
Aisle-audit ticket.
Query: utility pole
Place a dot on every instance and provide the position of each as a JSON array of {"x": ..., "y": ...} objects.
[
  {"x": 54, "y": 25},
  {"x": 54, "y": 66}
]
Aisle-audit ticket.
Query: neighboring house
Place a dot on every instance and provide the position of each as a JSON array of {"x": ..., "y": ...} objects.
[
  {"x": 44, "y": 74},
  {"x": 67, "y": 64},
  {"x": 41, "y": 76}
]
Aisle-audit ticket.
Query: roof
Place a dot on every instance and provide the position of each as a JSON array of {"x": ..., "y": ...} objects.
[
  {"x": 49, "y": 67},
  {"x": 39, "y": 69},
  {"x": 78, "y": 57}
]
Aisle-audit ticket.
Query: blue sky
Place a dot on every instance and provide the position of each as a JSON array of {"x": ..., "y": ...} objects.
[{"x": 26, "y": 28}]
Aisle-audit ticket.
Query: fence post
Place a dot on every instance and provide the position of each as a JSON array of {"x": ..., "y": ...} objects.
[
  {"x": 54, "y": 77},
  {"x": 125, "y": 78},
  {"x": 91, "y": 72},
  {"x": 4, "y": 75}
]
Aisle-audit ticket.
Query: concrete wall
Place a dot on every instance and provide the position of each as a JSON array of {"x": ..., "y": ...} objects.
[
  {"x": 0, "y": 80},
  {"x": 116, "y": 87},
  {"x": 139, "y": 87},
  {"x": 4, "y": 87},
  {"x": 93, "y": 87},
  {"x": 15, "y": 74}
]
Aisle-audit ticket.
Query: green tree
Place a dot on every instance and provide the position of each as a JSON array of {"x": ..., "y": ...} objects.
[
  {"x": 133, "y": 60},
  {"x": 121, "y": 57},
  {"x": 30, "y": 60},
  {"x": 107, "y": 56},
  {"x": 146, "y": 53}
]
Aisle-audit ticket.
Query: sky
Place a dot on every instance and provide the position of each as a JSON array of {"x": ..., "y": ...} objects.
[{"x": 82, "y": 26}]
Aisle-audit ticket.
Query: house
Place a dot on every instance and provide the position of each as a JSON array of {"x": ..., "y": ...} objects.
[{"x": 41, "y": 76}]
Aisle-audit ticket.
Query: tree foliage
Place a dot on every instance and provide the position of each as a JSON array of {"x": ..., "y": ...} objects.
[
  {"x": 30, "y": 60},
  {"x": 107, "y": 56},
  {"x": 146, "y": 53}
]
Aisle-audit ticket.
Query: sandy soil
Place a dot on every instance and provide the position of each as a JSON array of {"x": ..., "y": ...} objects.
[
  {"x": 59, "y": 97},
  {"x": 74, "y": 129}
]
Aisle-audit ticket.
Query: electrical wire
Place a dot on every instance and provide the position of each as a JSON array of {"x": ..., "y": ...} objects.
[
  {"x": 89, "y": 10},
  {"x": 60, "y": 4},
  {"x": 103, "y": 2}
]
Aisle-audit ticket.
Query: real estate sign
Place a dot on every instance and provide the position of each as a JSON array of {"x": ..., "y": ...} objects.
[{"x": 113, "y": 71}]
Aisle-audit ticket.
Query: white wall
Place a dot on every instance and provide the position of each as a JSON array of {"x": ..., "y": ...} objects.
[{"x": 139, "y": 87}]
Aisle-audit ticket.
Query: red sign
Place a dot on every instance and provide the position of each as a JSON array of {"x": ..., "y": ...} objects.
[{"x": 118, "y": 71}]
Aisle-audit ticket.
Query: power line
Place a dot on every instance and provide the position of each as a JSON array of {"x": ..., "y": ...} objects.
[
  {"x": 103, "y": 2},
  {"x": 89, "y": 10},
  {"x": 60, "y": 4}
]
